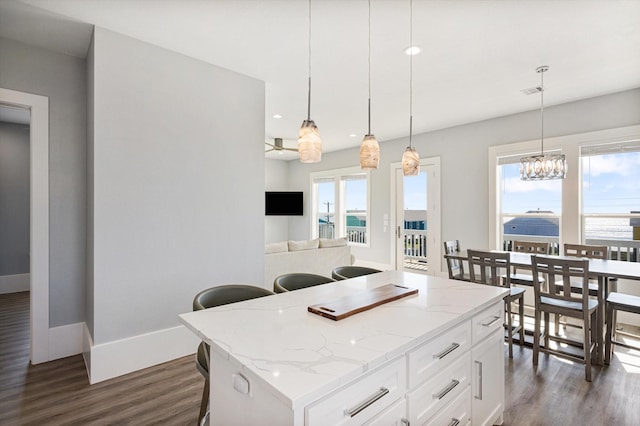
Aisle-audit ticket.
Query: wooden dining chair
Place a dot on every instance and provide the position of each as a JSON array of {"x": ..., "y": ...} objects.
[
  {"x": 455, "y": 266},
  {"x": 561, "y": 299},
  {"x": 531, "y": 248},
  {"x": 589, "y": 252},
  {"x": 493, "y": 268}
]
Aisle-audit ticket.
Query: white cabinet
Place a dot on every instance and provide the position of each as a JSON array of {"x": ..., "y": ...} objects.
[
  {"x": 436, "y": 358},
  {"x": 487, "y": 383},
  {"x": 362, "y": 400},
  {"x": 458, "y": 377}
]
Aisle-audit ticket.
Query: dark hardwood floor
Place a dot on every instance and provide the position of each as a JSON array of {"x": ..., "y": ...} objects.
[{"x": 58, "y": 392}]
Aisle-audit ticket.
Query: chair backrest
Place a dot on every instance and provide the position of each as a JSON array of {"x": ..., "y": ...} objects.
[
  {"x": 583, "y": 250},
  {"x": 225, "y": 294},
  {"x": 562, "y": 272},
  {"x": 350, "y": 271},
  {"x": 298, "y": 280},
  {"x": 492, "y": 268},
  {"x": 531, "y": 247},
  {"x": 454, "y": 266}
]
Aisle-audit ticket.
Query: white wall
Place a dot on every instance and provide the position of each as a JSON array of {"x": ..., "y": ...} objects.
[
  {"x": 276, "y": 228},
  {"x": 177, "y": 184},
  {"x": 61, "y": 78},
  {"x": 14, "y": 199},
  {"x": 464, "y": 170}
]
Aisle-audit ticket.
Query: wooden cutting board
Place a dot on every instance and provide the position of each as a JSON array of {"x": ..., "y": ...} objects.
[{"x": 365, "y": 300}]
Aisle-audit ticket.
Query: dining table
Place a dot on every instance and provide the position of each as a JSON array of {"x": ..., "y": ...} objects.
[{"x": 602, "y": 270}]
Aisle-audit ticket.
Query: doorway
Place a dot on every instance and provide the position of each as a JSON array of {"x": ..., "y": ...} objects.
[
  {"x": 39, "y": 217},
  {"x": 416, "y": 207}
]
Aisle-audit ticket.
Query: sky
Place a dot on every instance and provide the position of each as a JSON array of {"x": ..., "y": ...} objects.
[{"x": 611, "y": 184}]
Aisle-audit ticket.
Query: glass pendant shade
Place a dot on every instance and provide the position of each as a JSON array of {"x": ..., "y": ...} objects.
[
  {"x": 410, "y": 162},
  {"x": 543, "y": 167},
  {"x": 309, "y": 143},
  {"x": 369, "y": 152}
]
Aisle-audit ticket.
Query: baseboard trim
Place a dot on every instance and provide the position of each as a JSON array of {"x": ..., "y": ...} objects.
[
  {"x": 14, "y": 283},
  {"x": 65, "y": 340},
  {"x": 119, "y": 357}
]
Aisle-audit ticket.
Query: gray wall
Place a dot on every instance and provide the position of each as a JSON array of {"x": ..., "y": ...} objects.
[
  {"x": 14, "y": 199},
  {"x": 178, "y": 183},
  {"x": 277, "y": 227},
  {"x": 464, "y": 170},
  {"x": 62, "y": 79}
]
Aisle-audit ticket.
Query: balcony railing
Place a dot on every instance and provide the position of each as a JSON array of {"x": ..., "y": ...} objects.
[
  {"x": 415, "y": 244},
  {"x": 355, "y": 234}
]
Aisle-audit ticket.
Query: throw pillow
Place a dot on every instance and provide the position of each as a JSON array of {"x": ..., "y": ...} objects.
[
  {"x": 337, "y": 242},
  {"x": 303, "y": 245}
]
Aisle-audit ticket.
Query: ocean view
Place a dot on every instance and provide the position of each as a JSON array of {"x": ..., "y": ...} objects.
[{"x": 608, "y": 228}]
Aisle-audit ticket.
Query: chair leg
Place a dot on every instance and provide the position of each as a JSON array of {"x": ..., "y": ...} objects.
[
  {"x": 546, "y": 330},
  {"x": 588, "y": 330},
  {"x": 521, "y": 319},
  {"x": 536, "y": 336},
  {"x": 205, "y": 401},
  {"x": 509, "y": 327},
  {"x": 609, "y": 336}
]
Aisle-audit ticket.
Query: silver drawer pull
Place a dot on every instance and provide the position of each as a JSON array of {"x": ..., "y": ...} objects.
[
  {"x": 490, "y": 323},
  {"x": 479, "y": 395},
  {"x": 454, "y": 422},
  {"x": 367, "y": 402},
  {"x": 447, "y": 351},
  {"x": 446, "y": 390}
]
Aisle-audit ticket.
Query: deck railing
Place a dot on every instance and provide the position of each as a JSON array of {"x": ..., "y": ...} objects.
[{"x": 415, "y": 244}]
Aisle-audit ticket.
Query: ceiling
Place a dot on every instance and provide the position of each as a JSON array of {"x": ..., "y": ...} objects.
[{"x": 476, "y": 56}]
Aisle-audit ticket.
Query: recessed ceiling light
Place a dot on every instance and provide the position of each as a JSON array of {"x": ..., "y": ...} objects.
[
  {"x": 352, "y": 135},
  {"x": 277, "y": 116},
  {"x": 412, "y": 50}
]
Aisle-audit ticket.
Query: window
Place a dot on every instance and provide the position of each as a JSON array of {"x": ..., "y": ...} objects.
[
  {"x": 596, "y": 204},
  {"x": 341, "y": 205},
  {"x": 611, "y": 197},
  {"x": 529, "y": 210}
]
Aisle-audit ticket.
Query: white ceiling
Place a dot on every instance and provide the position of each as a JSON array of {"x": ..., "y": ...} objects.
[{"x": 476, "y": 56}]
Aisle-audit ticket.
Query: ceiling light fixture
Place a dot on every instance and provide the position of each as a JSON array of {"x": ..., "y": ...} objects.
[
  {"x": 543, "y": 167},
  {"x": 412, "y": 50},
  {"x": 410, "y": 157},
  {"x": 309, "y": 142},
  {"x": 277, "y": 116},
  {"x": 369, "y": 150}
]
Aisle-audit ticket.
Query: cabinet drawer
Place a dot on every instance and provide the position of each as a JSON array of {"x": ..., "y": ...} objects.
[
  {"x": 439, "y": 391},
  {"x": 487, "y": 321},
  {"x": 458, "y": 413},
  {"x": 437, "y": 354},
  {"x": 361, "y": 400},
  {"x": 392, "y": 416}
]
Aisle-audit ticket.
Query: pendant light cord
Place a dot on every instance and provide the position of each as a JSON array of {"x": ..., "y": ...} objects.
[
  {"x": 369, "y": 124},
  {"x": 542, "y": 111},
  {"x": 309, "y": 93},
  {"x": 410, "y": 72}
]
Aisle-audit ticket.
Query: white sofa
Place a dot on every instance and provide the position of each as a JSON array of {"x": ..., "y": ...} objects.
[{"x": 317, "y": 256}]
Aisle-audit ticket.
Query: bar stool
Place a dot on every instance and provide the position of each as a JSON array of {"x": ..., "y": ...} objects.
[{"x": 618, "y": 302}]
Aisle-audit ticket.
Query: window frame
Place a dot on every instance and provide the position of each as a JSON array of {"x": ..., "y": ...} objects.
[
  {"x": 339, "y": 201},
  {"x": 571, "y": 220}
]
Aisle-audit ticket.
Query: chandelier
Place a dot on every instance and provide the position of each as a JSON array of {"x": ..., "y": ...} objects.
[{"x": 543, "y": 167}]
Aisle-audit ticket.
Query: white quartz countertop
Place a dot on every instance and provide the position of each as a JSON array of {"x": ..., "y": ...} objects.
[{"x": 301, "y": 356}]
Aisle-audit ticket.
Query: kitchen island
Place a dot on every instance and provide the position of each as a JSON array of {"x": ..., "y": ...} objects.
[{"x": 427, "y": 358}]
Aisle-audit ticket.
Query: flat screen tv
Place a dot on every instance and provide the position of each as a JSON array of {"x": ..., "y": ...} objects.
[{"x": 283, "y": 203}]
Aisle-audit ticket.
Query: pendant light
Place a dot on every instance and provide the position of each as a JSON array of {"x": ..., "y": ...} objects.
[
  {"x": 543, "y": 167},
  {"x": 410, "y": 157},
  {"x": 309, "y": 142},
  {"x": 369, "y": 150}
]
